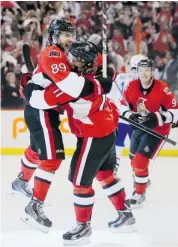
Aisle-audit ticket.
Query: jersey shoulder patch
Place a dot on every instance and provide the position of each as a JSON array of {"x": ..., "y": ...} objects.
[
  {"x": 167, "y": 91},
  {"x": 54, "y": 53}
]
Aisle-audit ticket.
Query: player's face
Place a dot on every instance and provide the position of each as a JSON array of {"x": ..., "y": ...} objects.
[
  {"x": 77, "y": 64},
  {"x": 74, "y": 62},
  {"x": 145, "y": 75},
  {"x": 66, "y": 39}
]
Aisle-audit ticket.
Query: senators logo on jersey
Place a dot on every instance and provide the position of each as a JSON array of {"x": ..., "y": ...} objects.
[{"x": 141, "y": 108}]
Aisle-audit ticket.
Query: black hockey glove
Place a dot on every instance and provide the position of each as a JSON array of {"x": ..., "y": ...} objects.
[
  {"x": 110, "y": 71},
  {"x": 175, "y": 125},
  {"x": 106, "y": 83},
  {"x": 134, "y": 116},
  {"x": 152, "y": 120}
]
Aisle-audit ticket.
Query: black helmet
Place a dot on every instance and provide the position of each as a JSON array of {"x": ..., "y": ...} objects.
[
  {"x": 146, "y": 63},
  {"x": 85, "y": 52},
  {"x": 56, "y": 27}
]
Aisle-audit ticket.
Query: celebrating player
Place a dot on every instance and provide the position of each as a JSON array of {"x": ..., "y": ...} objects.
[
  {"x": 153, "y": 105},
  {"x": 93, "y": 120},
  {"x": 46, "y": 150}
]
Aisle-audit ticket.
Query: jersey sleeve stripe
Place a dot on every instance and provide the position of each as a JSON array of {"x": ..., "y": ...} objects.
[
  {"x": 37, "y": 100},
  {"x": 72, "y": 85}
]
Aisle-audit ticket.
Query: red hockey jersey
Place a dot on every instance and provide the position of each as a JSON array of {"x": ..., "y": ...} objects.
[
  {"x": 158, "y": 98},
  {"x": 53, "y": 67},
  {"x": 92, "y": 116}
]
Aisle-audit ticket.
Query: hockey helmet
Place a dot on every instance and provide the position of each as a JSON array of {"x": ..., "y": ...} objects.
[
  {"x": 135, "y": 60},
  {"x": 56, "y": 27},
  {"x": 146, "y": 63},
  {"x": 85, "y": 52}
]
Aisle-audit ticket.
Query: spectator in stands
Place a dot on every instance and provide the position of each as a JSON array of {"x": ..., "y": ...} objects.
[
  {"x": 163, "y": 40},
  {"x": 170, "y": 74},
  {"x": 118, "y": 45},
  {"x": 29, "y": 24},
  {"x": 10, "y": 95}
]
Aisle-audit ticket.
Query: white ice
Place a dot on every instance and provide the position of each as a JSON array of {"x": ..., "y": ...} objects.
[{"x": 157, "y": 220}]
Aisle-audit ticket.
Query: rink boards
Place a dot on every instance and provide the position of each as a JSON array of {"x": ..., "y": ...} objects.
[{"x": 15, "y": 136}]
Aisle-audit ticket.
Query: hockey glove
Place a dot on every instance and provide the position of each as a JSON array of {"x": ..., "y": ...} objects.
[
  {"x": 23, "y": 82},
  {"x": 110, "y": 71},
  {"x": 134, "y": 116},
  {"x": 106, "y": 83},
  {"x": 152, "y": 120},
  {"x": 175, "y": 125}
]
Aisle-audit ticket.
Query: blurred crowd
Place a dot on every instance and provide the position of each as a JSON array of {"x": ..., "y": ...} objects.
[{"x": 27, "y": 22}]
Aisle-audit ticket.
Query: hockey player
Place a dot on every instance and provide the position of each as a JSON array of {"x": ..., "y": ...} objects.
[
  {"x": 46, "y": 150},
  {"x": 93, "y": 120},
  {"x": 153, "y": 105},
  {"x": 122, "y": 80}
]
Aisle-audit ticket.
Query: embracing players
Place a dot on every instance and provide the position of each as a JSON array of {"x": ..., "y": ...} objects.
[{"x": 93, "y": 120}]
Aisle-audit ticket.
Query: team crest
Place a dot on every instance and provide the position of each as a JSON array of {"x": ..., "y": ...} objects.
[
  {"x": 54, "y": 54},
  {"x": 141, "y": 108}
]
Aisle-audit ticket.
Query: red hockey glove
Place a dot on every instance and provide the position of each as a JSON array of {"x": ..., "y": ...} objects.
[
  {"x": 24, "y": 79},
  {"x": 23, "y": 82}
]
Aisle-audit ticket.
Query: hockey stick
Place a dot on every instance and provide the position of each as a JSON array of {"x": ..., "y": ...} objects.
[
  {"x": 149, "y": 131},
  {"x": 104, "y": 32},
  {"x": 27, "y": 58}
]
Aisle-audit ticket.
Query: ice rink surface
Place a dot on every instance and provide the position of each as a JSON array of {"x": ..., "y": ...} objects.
[{"x": 157, "y": 220}]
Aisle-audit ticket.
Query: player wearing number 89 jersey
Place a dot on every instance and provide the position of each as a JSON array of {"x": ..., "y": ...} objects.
[{"x": 46, "y": 150}]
